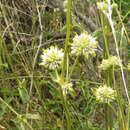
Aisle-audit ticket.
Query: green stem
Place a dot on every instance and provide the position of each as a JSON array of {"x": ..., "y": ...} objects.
[
  {"x": 121, "y": 21},
  {"x": 64, "y": 103},
  {"x": 18, "y": 115},
  {"x": 117, "y": 50},
  {"x": 106, "y": 117},
  {"x": 119, "y": 104},
  {"x": 67, "y": 37},
  {"x": 120, "y": 5},
  {"x": 126, "y": 15},
  {"x": 106, "y": 49},
  {"x": 109, "y": 78},
  {"x": 112, "y": 108},
  {"x": 68, "y": 19},
  {"x": 73, "y": 67}
]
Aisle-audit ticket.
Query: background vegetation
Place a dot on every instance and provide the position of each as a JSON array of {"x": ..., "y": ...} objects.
[{"x": 30, "y": 98}]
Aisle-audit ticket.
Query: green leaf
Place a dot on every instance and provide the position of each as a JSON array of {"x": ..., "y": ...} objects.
[
  {"x": 24, "y": 94},
  {"x": 32, "y": 116},
  {"x": 88, "y": 110},
  {"x": 97, "y": 33},
  {"x": 64, "y": 28},
  {"x": 93, "y": 127},
  {"x": 7, "y": 91},
  {"x": 86, "y": 92},
  {"x": 23, "y": 91},
  {"x": 78, "y": 26},
  {"x": 3, "y": 107},
  {"x": 21, "y": 127},
  {"x": 3, "y": 64}
]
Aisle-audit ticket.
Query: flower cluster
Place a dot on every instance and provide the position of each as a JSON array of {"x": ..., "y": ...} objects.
[
  {"x": 105, "y": 94},
  {"x": 106, "y": 6},
  {"x": 102, "y": 6},
  {"x": 128, "y": 66},
  {"x": 52, "y": 58},
  {"x": 67, "y": 87},
  {"x": 84, "y": 44},
  {"x": 112, "y": 61},
  {"x": 65, "y": 5}
]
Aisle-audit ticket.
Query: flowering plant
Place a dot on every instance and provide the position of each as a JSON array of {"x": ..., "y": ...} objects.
[
  {"x": 52, "y": 58},
  {"x": 112, "y": 61},
  {"x": 84, "y": 44},
  {"x": 105, "y": 94}
]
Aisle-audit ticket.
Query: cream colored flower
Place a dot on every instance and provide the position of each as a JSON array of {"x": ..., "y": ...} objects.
[
  {"x": 105, "y": 94},
  {"x": 103, "y": 6},
  {"x": 128, "y": 66},
  {"x": 65, "y": 5},
  {"x": 112, "y": 61},
  {"x": 84, "y": 44},
  {"x": 106, "y": 6},
  {"x": 67, "y": 87},
  {"x": 52, "y": 58}
]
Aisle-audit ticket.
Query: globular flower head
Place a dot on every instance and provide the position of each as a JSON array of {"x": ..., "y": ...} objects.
[
  {"x": 128, "y": 66},
  {"x": 56, "y": 10},
  {"x": 106, "y": 6},
  {"x": 103, "y": 6},
  {"x": 67, "y": 87},
  {"x": 65, "y": 5},
  {"x": 84, "y": 44},
  {"x": 52, "y": 58},
  {"x": 105, "y": 94},
  {"x": 112, "y": 61},
  {"x": 114, "y": 5}
]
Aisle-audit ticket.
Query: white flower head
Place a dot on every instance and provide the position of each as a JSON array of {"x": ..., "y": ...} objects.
[
  {"x": 52, "y": 58},
  {"x": 112, "y": 61},
  {"x": 56, "y": 10},
  {"x": 102, "y": 6},
  {"x": 128, "y": 66},
  {"x": 67, "y": 87},
  {"x": 65, "y": 3},
  {"x": 106, "y": 7},
  {"x": 84, "y": 44},
  {"x": 105, "y": 94}
]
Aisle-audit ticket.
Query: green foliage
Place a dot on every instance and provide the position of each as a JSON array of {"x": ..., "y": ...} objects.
[
  {"x": 23, "y": 92},
  {"x": 30, "y": 99}
]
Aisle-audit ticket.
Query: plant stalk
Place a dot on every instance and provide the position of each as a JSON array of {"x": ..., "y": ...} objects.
[
  {"x": 18, "y": 115},
  {"x": 68, "y": 19}
]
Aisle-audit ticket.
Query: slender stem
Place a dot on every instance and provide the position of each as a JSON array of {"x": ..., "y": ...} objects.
[
  {"x": 109, "y": 80},
  {"x": 65, "y": 65},
  {"x": 18, "y": 115},
  {"x": 117, "y": 50},
  {"x": 64, "y": 103},
  {"x": 128, "y": 120},
  {"x": 73, "y": 67},
  {"x": 104, "y": 36},
  {"x": 121, "y": 21},
  {"x": 106, "y": 117},
  {"x": 126, "y": 15},
  {"x": 67, "y": 37},
  {"x": 112, "y": 108},
  {"x": 107, "y": 77},
  {"x": 120, "y": 5},
  {"x": 119, "y": 103}
]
